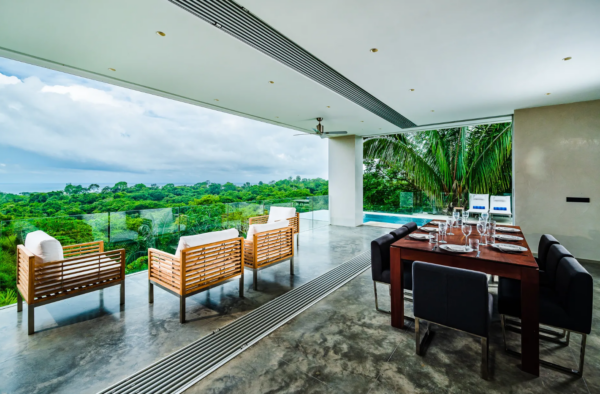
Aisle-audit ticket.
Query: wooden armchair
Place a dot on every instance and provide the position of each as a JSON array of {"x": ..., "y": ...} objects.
[
  {"x": 198, "y": 269},
  {"x": 294, "y": 222},
  {"x": 267, "y": 248},
  {"x": 86, "y": 267}
]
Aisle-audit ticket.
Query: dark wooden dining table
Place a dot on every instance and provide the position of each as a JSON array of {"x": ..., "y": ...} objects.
[{"x": 521, "y": 266}]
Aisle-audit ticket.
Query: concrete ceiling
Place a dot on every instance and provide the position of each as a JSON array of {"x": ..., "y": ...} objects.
[{"x": 464, "y": 59}]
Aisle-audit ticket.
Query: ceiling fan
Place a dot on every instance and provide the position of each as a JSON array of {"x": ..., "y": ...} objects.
[{"x": 320, "y": 131}]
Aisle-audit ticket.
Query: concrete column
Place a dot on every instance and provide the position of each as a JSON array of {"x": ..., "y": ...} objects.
[{"x": 346, "y": 181}]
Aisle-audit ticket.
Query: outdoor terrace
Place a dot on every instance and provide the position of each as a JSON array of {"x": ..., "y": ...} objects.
[{"x": 341, "y": 344}]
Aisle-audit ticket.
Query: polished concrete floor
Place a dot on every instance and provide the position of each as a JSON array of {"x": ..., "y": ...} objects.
[
  {"x": 86, "y": 343},
  {"x": 342, "y": 345}
]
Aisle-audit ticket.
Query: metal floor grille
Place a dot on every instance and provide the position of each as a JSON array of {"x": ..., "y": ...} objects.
[{"x": 182, "y": 369}]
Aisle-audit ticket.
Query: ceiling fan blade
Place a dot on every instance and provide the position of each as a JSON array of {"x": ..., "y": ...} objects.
[
  {"x": 336, "y": 132},
  {"x": 300, "y": 135},
  {"x": 316, "y": 131}
]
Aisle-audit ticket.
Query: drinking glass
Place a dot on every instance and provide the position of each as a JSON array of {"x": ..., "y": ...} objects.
[
  {"x": 466, "y": 230},
  {"x": 485, "y": 216},
  {"x": 491, "y": 229},
  {"x": 442, "y": 230},
  {"x": 474, "y": 243},
  {"x": 456, "y": 215},
  {"x": 481, "y": 229},
  {"x": 433, "y": 238},
  {"x": 449, "y": 224},
  {"x": 465, "y": 217}
]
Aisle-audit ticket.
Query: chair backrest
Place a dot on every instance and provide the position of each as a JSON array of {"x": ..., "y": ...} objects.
[
  {"x": 575, "y": 288},
  {"x": 191, "y": 241},
  {"x": 546, "y": 241},
  {"x": 411, "y": 226},
  {"x": 479, "y": 202},
  {"x": 453, "y": 297},
  {"x": 259, "y": 228},
  {"x": 500, "y": 204},
  {"x": 400, "y": 233},
  {"x": 555, "y": 254},
  {"x": 380, "y": 255},
  {"x": 280, "y": 213}
]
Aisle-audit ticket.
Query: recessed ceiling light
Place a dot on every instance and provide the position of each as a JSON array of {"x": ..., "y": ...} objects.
[
  {"x": 328, "y": 106},
  {"x": 271, "y": 82},
  {"x": 547, "y": 94},
  {"x": 362, "y": 121},
  {"x": 374, "y": 50},
  {"x": 112, "y": 69},
  {"x": 412, "y": 90},
  {"x": 432, "y": 111},
  {"x": 277, "y": 117},
  {"x": 216, "y": 99},
  {"x": 567, "y": 58},
  {"x": 160, "y": 33}
]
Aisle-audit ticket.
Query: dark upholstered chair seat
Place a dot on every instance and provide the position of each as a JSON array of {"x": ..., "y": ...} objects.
[
  {"x": 568, "y": 305},
  {"x": 453, "y": 297},
  {"x": 406, "y": 275},
  {"x": 412, "y": 226}
]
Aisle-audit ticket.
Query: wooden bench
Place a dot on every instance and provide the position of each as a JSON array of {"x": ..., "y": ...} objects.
[
  {"x": 85, "y": 268},
  {"x": 199, "y": 268}
]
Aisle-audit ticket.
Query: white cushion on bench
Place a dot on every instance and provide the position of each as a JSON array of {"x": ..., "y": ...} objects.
[
  {"x": 190, "y": 241},
  {"x": 44, "y": 246},
  {"x": 259, "y": 228},
  {"x": 280, "y": 213}
]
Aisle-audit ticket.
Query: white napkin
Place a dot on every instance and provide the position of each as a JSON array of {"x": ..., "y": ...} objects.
[
  {"x": 509, "y": 248},
  {"x": 456, "y": 248}
]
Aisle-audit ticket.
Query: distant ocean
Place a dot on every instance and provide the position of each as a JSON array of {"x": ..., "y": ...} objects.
[{"x": 16, "y": 188}]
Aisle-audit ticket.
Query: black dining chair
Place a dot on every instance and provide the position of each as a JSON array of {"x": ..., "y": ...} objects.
[
  {"x": 566, "y": 305},
  {"x": 455, "y": 298},
  {"x": 546, "y": 241},
  {"x": 380, "y": 263}
]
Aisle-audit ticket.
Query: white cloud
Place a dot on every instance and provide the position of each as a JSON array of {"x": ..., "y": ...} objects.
[
  {"x": 6, "y": 80},
  {"x": 80, "y": 127}
]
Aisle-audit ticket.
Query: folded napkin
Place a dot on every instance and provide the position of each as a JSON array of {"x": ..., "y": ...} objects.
[
  {"x": 509, "y": 248},
  {"x": 456, "y": 248}
]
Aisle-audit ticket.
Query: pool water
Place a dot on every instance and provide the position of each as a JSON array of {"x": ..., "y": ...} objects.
[{"x": 369, "y": 217}]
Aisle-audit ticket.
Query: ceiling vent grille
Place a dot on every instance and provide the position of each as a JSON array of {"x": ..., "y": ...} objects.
[{"x": 238, "y": 22}]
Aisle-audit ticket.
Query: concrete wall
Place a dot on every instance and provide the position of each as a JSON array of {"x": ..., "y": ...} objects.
[
  {"x": 557, "y": 155},
  {"x": 346, "y": 181}
]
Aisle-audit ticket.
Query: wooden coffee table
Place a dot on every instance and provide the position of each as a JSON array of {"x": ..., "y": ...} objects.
[{"x": 491, "y": 261}]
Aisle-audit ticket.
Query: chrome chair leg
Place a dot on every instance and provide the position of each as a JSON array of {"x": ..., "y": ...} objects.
[
  {"x": 377, "y": 301},
  {"x": 485, "y": 350},
  {"x": 577, "y": 372}
]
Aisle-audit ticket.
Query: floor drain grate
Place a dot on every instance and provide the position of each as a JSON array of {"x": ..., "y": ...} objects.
[{"x": 182, "y": 369}]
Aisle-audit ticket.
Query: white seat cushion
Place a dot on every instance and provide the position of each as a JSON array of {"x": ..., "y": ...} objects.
[
  {"x": 44, "y": 246},
  {"x": 203, "y": 239},
  {"x": 259, "y": 228},
  {"x": 280, "y": 213}
]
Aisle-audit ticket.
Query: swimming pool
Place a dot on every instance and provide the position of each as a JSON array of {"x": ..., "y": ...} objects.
[{"x": 369, "y": 217}]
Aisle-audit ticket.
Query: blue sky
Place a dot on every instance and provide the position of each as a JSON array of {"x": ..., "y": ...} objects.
[{"x": 59, "y": 128}]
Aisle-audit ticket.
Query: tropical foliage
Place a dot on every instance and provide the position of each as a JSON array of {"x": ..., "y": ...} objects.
[
  {"x": 136, "y": 218},
  {"x": 445, "y": 164}
]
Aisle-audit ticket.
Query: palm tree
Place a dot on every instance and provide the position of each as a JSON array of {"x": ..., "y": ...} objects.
[{"x": 450, "y": 162}]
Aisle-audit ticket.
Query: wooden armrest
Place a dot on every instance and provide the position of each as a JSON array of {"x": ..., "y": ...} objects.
[{"x": 163, "y": 254}]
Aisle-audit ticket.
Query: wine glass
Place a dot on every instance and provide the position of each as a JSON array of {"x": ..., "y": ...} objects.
[
  {"x": 449, "y": 224},
  {"x": 485, "y": 216},
  {"x": 442, "y": 230},
  {"x": 465, "y": 216},
  {"x": 481, "y": 229},
  {"x": 466, "y": 230},
  {"x": 456, "y": 215}
]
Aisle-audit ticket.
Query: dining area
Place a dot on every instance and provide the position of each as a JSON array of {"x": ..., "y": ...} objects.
[{"x": 449, "y": 269}]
